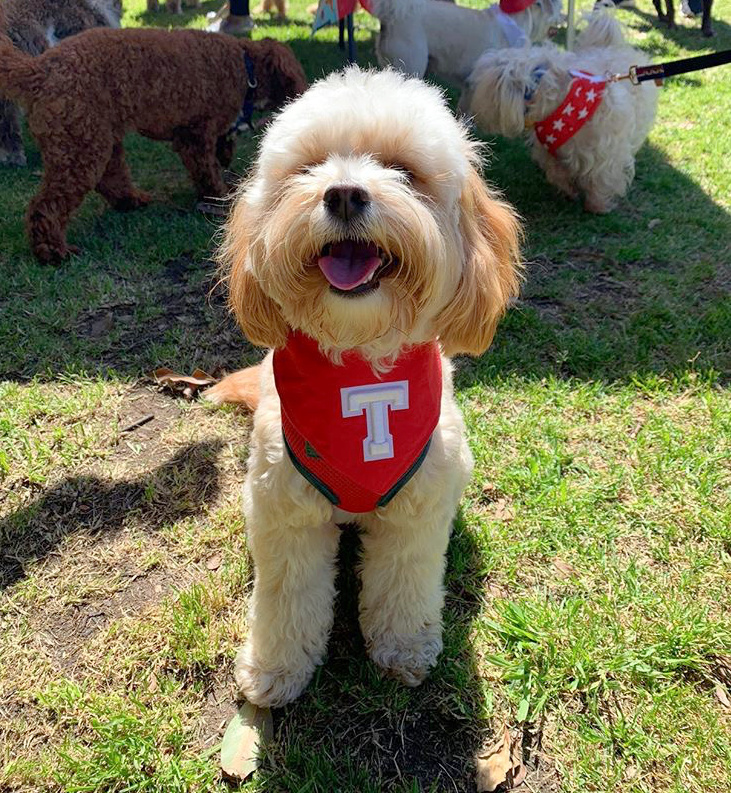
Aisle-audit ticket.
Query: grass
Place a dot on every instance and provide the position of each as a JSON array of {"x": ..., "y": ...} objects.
[{"x": 589, "y": 576}]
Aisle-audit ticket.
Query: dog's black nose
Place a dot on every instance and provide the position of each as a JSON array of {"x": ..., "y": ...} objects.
[{"x": 346, "y": 202}]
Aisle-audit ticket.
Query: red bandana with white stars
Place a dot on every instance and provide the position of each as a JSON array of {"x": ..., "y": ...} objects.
[{"x": 583, "y": 98}]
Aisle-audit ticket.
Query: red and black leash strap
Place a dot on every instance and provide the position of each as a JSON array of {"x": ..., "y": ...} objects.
[{"x": 659, "y": 71}]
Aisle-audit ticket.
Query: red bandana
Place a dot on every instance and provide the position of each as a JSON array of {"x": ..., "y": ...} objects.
[
  {"x": 357, "y": 436},
  {"x": 584, "y": 97}
]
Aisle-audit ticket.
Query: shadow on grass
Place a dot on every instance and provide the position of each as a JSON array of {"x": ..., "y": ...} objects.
[
  {"x": 179, "y": 487},
  {"x": 353, "y": 730}
]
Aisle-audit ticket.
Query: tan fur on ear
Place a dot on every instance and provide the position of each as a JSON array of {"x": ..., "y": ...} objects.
[
  {"x": 491, "y": 275},
  {"x": 258, "y": 315}
]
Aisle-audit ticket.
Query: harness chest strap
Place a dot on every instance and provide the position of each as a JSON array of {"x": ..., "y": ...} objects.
[
  {"x": 584, "y": 96},
  {"x": 355, "y": 435}
]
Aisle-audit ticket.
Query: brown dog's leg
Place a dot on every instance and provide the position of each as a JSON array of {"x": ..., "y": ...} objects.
[
  {"x": 70, "y": 172},
  {"x": 11, "y": 142},
  {"x": 198, "y": 153},
  {"x": 116, "y": 184},
  {"x": 225, "y": 146},
  {"x": 48, "y": 215}
]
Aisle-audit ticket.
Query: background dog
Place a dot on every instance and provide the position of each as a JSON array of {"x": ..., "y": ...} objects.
[
  {"x": 367, "y": 227},
  {"x": 447, "y": 39},
  {"x": 510, "y": 91},
  {"x": 184, "y": 86},
  {"x": 34, "y": 26}
]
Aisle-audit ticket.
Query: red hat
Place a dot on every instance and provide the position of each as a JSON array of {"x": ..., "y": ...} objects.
[{"x": 515, "y": 6}]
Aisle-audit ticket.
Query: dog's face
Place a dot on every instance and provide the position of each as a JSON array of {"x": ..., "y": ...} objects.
[
  {"x": 507, "y": 87},
  {"x": 540, "y": 19},
  {"x": 366, "y": 225}
]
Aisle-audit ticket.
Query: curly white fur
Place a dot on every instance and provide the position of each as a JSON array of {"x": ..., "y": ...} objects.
[
  {"x": 457, "y": 247},
  {"x": 447, "y": 39},
  {"x": 599, "y": 161}
]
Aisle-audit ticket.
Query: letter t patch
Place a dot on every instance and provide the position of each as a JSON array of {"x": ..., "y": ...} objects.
[{"x": 375, "y": 401}]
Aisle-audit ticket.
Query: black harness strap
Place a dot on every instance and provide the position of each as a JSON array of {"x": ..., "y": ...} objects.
[{"x": 659, "y": 71}]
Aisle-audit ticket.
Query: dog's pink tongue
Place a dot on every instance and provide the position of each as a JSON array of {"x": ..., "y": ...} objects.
[{"x": 349, "y": 263}]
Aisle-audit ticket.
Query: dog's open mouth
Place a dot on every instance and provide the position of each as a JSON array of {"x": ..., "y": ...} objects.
[{"x": 354, "y": 267}]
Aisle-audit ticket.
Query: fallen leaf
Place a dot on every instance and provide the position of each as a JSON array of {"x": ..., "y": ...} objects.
[
  {"x": 102, "y": 325},
  {"x": 564, "y": 569},
  {"x": 654, "y": 222},
  {"x": 189, "y": 385},
  {"x": 722, "y": 696},
  {"x": 500, "y": 764},
  {"x": 502, "y": 510},
  {"x": 489, "y": 493},
  {"x": 721, "y": 669},
  {"x": 214, "y": 562},
  {"x": 495, "y": 590},
  {"x": 243, "y": 740}
]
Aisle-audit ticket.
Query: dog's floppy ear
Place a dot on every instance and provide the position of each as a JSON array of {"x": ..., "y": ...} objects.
[
  {"x": 279, "y": 73},
  {"x": 491, "y": 274},
  {"x": 259, "y": 316}
]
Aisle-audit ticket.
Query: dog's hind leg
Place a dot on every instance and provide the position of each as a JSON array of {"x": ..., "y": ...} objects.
[
  {"x": 116, "y": 184},
  {"x": 65, "y": 183},
  {"x": 11, "y": 142},
  {"x": 198, "y": 151}
]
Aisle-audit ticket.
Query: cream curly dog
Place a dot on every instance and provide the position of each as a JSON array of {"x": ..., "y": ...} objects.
[{"x": 364, "y": 250}]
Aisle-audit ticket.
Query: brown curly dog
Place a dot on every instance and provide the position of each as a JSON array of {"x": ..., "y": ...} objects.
[{"x": 84, "y": 95}]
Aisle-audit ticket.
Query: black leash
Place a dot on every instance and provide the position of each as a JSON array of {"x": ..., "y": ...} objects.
[
  {"x": 659, "y": 71},
  {"x": 244, "y": 119}
]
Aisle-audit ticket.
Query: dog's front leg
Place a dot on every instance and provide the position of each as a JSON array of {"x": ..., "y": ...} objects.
[
  {"x": 291, "y": 608},
  {"x": 402, "y": 593}
]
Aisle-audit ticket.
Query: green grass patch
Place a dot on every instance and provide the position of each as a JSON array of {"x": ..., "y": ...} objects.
[{"x": 589, "y": 574}]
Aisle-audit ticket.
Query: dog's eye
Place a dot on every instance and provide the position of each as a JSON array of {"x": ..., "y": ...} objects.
[{"x": 402, "y": 169}]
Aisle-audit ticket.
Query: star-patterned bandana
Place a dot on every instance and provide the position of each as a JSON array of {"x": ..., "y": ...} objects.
[{"x": 583, "y": 98}]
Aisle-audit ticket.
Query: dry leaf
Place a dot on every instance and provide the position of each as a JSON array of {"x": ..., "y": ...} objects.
[
  {"x": 654, "y": 222},
  {"x": 188, "y": 385},
  {"x": 564, "y": 569},
  {"x": 500, "y": 764},
  {"x": 721, "y": 669},
  {"x": 495, "y": 590},
  {"x": 243, "y": 740},
  {"x": 502, "y": 510},
  {"x": 214, "y": 562},
  {"x": 722, "y": 696},
  {"x": 489, "y": 493},
  {"x": 102, "y": 325}
]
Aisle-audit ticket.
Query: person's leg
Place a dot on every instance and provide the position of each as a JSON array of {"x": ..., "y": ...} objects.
[
  {"x": 239, "y": 8},
  {"x": 238, "y": 21}
]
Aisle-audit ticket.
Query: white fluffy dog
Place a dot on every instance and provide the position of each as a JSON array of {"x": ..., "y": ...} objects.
[
  {"x": 363, "y": 249},
  {"x": 447, "y": 39},
  {"x": 514, "y": 93}
]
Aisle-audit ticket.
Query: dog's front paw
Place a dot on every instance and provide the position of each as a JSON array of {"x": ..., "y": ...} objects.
[
  {"x": 408, "y": 658},
  {"x": 268, "y": 687}
]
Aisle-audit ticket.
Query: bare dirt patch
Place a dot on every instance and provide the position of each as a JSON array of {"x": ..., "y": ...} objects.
[{"x": 183, "y": 298}]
